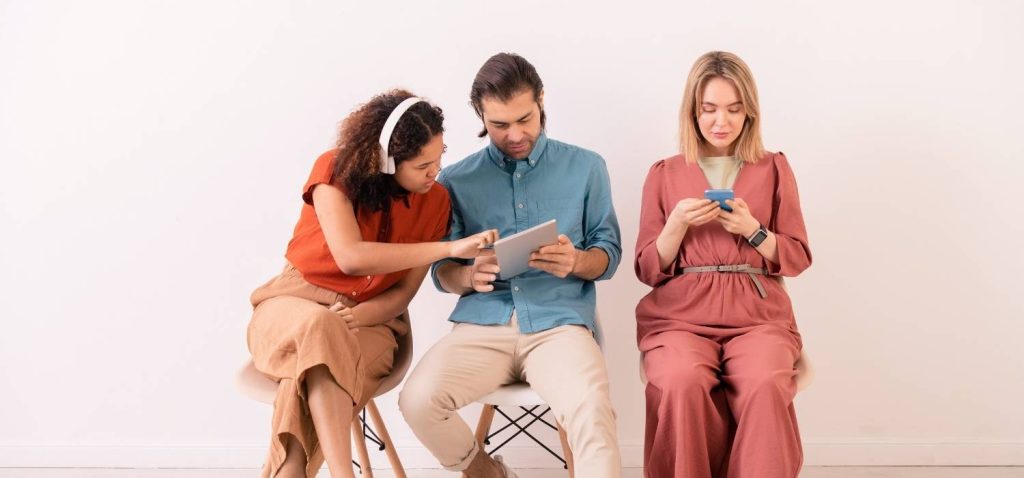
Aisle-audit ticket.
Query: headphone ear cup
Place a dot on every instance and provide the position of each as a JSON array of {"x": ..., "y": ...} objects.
[{"x": 387, "y": 162}]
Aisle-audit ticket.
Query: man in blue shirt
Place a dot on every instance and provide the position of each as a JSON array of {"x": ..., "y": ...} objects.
[{"x": 536, "y": 327}]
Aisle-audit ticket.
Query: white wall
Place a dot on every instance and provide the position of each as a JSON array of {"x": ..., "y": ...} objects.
[{"x": 152, "y": 155}]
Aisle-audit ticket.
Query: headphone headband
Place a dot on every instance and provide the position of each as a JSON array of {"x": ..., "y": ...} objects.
[{"x": 387, "y": 162}]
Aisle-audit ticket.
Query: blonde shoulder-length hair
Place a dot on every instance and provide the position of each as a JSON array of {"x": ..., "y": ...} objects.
[{"x": 720, "y": 64}]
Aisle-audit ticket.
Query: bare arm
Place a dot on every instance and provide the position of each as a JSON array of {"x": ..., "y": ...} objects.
[
  {"x": 355, "y": 256},
  {"x": 590, "y": 264},
  {"x": 453, "y": 278},
  {"x": 769, "y": 248},
  {"x": 563, "y": 259},
  {"x": 687, "y": 212},
  {"x": 386, "y": 305},
  {"x": 668, "y": 243},
  {"x": 741, "y": 222}
]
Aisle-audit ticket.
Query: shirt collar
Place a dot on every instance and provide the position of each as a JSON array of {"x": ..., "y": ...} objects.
[{"x": 502, "y": 160}]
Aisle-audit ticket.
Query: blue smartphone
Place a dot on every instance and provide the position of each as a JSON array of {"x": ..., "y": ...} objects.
[{"x": 720, "y": 195}]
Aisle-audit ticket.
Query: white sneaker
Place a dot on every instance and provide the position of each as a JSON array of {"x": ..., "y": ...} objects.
[{"x": 505, "y": 468}]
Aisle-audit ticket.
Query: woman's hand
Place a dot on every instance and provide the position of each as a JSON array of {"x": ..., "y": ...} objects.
[
  {"x": 346, "y": 314},
  {"x": 470, "y": 247},
  {"x": 693, "y": 212},
  {"x": 739, "y": 221}
]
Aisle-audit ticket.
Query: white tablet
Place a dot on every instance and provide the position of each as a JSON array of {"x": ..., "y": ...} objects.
[{"x": 514, "y": 251}]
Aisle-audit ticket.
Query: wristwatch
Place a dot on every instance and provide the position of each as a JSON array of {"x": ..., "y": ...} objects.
[{"x": 758, "y": 236}]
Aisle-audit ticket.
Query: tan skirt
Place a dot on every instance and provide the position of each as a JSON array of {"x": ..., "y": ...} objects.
[{"x": 292, "y": 331}]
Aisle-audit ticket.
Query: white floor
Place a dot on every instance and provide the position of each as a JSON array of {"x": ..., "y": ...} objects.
[{"x": 809, "y": 472}]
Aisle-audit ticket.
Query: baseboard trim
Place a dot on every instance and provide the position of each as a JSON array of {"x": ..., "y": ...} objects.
[
  {"x": 914, "y": 454},
  {"x": 817, "y": 454}
]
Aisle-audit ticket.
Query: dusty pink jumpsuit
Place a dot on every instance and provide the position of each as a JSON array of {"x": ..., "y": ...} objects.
[{"x": 719, "y": 357}]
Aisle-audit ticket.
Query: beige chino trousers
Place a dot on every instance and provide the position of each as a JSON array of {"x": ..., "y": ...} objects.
[{"x": 564, "y": 365}]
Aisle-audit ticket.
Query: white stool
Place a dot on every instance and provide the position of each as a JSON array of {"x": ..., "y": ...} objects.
[{"x": 255, "y": 385}]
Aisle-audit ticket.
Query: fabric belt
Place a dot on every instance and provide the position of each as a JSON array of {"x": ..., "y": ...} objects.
[{"x": 753, "y": 272}]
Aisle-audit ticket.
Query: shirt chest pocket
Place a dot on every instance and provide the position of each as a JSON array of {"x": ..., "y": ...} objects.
[{"x": 567, "y": 211}]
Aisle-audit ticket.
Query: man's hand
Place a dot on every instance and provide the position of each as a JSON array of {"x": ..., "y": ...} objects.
[
  {"x": 558, "y": 260},
  {"x": 483, "y": 272}
]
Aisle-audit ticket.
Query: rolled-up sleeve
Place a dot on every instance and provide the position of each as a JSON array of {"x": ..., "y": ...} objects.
[
  {"x": 456, "y": 231},
  {"x": 601, "y": 224}
]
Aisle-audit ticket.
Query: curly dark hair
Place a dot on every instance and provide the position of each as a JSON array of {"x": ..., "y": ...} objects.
[{"x": 357, "y": 165}]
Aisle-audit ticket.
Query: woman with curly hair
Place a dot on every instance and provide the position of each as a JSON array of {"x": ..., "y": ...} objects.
[
  {"x": 718, "y": 335},
  {"x": 326, "y": 327}
]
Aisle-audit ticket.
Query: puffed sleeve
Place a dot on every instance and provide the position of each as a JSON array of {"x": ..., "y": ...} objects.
[
  {"x": 653, "y": 213},
  {"x": 787, "y": 223}
]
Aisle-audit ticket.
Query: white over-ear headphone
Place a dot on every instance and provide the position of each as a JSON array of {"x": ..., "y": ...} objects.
[{"x": 387, "y": 162}]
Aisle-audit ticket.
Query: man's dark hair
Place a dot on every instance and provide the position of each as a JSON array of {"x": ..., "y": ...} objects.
[{"x": 503, "y": 76}]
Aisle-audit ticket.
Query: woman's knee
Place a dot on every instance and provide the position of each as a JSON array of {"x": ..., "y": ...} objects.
[
  {"x": 318, "y": 375},
  {"x": 683, "y": 380},
  {"x": 765, "y": 386},
  {"x": 327, "y": 331}
]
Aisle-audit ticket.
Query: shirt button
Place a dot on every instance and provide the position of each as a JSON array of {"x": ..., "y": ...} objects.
[
  {"x": 353, "y": 293},
  {"x": 519, "y": 175},
  {"x": 516, "y": 288},
  {"x": 369, "y": 277},
  {"x": 520, "y": 206}
]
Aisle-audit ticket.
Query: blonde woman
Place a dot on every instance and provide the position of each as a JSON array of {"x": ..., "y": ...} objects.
[{"x": 717, "y": 331}]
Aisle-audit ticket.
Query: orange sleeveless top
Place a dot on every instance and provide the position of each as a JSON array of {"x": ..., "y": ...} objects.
[{"x": 413, "y": 218}]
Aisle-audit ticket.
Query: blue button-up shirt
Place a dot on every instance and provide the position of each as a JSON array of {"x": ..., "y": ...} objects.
[{"x": 557, "y": 181}]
